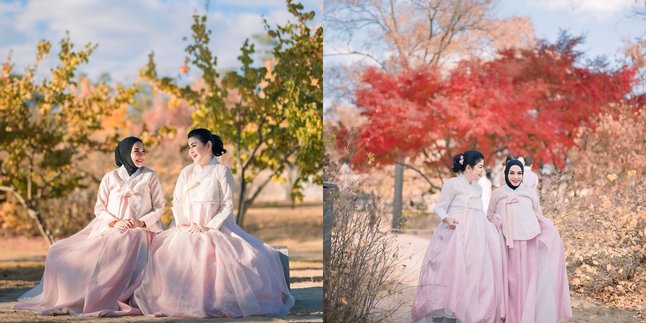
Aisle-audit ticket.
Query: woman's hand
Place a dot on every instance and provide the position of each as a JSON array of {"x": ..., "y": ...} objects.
[
  {"x": 496, "y": 220},
  {"x": 451, "y": 222},
  {"x": 196, "y": 228},
  {"x": 138, "y": 224},
  {"x": 123, "y": 224}
]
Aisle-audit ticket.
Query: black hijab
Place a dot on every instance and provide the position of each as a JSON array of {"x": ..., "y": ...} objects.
[
  {"x": 510, "y": 163},
  {"x": 122, "y": 154}
]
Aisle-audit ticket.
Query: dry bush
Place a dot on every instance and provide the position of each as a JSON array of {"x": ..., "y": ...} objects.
[
  {"x": 599, "y": 206},
  {"x": 362, "y": 257}
]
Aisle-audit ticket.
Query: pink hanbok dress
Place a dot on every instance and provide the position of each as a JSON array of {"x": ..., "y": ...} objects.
[
  {"x": 223, "y": 272},
  {"x": 535, "y": 278},
  {"x": 96, "y": 271},
  {"x": 461, "y": 274}
]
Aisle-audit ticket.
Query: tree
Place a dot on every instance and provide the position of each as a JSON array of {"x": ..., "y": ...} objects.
[
  {"x": 47, "y": 128},
  {"x": 400, "y": 35},
  {"x": 529, "y": 101},
  {"x": 271, "y": 115}
]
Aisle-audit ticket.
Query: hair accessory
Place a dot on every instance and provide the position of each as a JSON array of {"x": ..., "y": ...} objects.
[{"x": 461, "y": 159}]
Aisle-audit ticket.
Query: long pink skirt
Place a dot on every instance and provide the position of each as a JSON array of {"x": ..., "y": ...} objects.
[
  {"x": 219, "y": 273},
  {"x": 537, "y": 285},
  {"x": 461, "y": 275},
  {"x": 93, "y": 276}
]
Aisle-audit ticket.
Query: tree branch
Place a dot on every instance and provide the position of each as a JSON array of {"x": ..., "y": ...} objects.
[{"x": 257, "y": 192}]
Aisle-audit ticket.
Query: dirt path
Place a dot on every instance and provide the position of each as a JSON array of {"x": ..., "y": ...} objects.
[{"x": 413, "y": 249}]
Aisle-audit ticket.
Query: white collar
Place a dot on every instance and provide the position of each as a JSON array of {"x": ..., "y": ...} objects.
[{"x": 123, "y": 173}]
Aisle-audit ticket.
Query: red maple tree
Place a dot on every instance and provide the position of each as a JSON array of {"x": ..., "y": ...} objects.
[{"x": 526, "y": 101}]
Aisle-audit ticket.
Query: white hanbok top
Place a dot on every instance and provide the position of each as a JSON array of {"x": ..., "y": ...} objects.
[
  {"x": 122, "y": 196},
  {"x": 457, "y": 195},
  {"x": 204, "y": 195},
  {"x": 518, "y": 211},
  {"x": 485, "y": 184}
]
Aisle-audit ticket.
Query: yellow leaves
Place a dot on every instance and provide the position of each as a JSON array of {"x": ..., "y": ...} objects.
[
  {"x": 631, "y": 173},
  {"x": 279, "y": 179},
  {"x": 43, "y": 49},
  {"x": 612, "y": 177},
  {"x": 173, "y": 102}
]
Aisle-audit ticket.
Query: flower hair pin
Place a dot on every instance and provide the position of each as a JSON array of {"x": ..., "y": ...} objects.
[{"x": 461, "y": 159}]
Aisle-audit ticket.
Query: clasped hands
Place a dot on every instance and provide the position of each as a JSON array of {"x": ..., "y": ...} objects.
[
  {"x": 125, "y": 224},
  {"x": 193, "y": 228}
]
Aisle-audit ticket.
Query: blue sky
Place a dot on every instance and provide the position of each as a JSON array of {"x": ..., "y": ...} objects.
[
  {"x": 127, "y": 30},
  {"x": 606, "y": 24}
]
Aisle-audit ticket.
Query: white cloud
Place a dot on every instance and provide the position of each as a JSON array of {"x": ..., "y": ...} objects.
[
  {"x": 126, "y": 31},
  {"x": 599, "y": 9}
]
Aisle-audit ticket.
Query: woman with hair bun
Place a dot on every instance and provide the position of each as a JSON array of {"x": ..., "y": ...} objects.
[
  {"x": 461, "y": 274},
  {"x": 207, "y": 266}
]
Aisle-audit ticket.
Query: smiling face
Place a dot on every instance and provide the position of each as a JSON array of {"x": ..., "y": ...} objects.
[
  {"x": 138, "y": 154},
  {"x": 515, "y": 175},
  {"x": 200, "y": 153},
  {"x": 475, "y": 172}
]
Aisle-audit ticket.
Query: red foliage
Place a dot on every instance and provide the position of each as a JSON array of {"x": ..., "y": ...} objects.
[{"x": 529, "y": 101}]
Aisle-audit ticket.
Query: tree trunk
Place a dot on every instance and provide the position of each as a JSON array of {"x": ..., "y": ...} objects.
[
  {"x": 42, "y": 227},
  {"x": 397, "y": 199},
  {"x": 242, "y": 209}
]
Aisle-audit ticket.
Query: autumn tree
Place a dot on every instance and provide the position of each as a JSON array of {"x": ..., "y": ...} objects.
[
  {"x": 270, "y": 114},
  {"x": 397, "y": 35},
  {"x": 47, "y": 128},
  {"x": 528, "y": 101}
]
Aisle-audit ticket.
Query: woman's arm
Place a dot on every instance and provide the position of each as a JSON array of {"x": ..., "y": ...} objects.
[
  {"x": 447, "y": 194},
  {"x": 178, "y": 202},
  {"x": 101, "y": 206},
  {"x": 225, "y": 179},
  {"x": 446, "y": 197}
]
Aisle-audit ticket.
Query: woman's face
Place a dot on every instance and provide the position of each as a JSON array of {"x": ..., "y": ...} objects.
[
  {"x": 200, "y": 153},
  {"x": 515, "y": 175},
  {"x": 138, "y": 154},
  {"x": 475, "y": 172}
]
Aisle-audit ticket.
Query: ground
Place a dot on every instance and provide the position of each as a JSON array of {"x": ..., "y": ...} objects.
[
  {"x": 299, "y": 229},
  {"x": 414, "y": 247}
]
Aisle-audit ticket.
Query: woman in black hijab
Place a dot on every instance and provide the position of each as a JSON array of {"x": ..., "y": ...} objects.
[
  {"x": 535, "y": 284},
  {"x": 95, "y": 271}
]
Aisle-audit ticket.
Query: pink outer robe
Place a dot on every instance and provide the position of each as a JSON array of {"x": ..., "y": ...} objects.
[
  {"x": 461, "y": 274},
  {"x": 224, "y": 272},
  {"x": 96, "y": 271},
  {"x": 535, "y": 278}
]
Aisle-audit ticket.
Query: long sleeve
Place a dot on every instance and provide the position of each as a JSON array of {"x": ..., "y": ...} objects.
[
  {"x": 157, "y": 197},
  {"x": 225, "y": 179},
  {"x": 494, "y": 217},
  {"x": 178, "y": 201},
  {"x": 491, "y": 210},
  {"x": 101, "y": 206},
  {"x": 537, "y": 205},
  {"x": 446, "y": 197}
]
